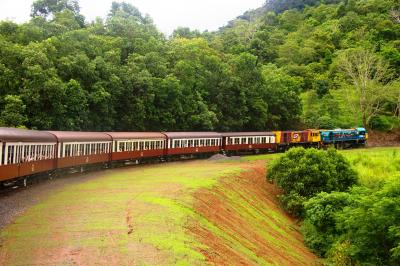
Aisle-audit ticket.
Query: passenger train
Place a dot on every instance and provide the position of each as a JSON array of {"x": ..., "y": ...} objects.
[{"x": 26, "y": 153}]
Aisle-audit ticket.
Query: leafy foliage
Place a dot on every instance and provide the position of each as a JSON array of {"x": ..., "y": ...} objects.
[
  {"x": 365, "y": 221},
  {"x": 304, "y": 173},
  {"x": 360, "y": 226},
  {"x": 319, "y": 227},
  {"x": 123, "y": 74},
  {"x": 308, "y": 40}
]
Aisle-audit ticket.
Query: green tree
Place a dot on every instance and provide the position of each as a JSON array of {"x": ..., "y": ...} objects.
[
  {"x": 304, "y": 173},
  {"x": 369, "y": 82},
  {"x": 46, "y": 8},
  {"x": 372, "y": 228},
  {"x": 319, "y": 226},
  {"x": 14, "y": 112}
]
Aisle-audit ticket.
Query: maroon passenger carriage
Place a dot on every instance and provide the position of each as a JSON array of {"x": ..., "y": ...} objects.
[
  {"x": 137, "y": 145},
  {"x": 82, "y": 148},
  {"x": 188, "y": 143},
  {"x": 248, "y": 141},
  {"x": 25, "y": 152}
]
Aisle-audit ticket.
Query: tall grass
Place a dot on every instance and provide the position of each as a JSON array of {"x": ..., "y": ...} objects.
[{"x": 375, "y": 165}]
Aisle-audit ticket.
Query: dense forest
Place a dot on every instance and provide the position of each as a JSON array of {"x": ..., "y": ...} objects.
[{"x": 289, "y": 64}]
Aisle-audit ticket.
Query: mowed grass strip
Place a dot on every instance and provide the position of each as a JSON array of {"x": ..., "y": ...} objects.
[{"x": 126, "y": 216}]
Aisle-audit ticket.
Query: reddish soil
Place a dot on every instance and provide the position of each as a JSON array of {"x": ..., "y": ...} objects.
[
  {"x": 243, "y": 229},
  {"x": 379, "y": 139}
]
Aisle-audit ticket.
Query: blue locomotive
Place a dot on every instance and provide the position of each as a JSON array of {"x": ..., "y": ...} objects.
[{"x": 344, "y": 137}]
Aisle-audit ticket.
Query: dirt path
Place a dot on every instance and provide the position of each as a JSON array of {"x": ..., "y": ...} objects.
[{"x": 151, "y": 215}]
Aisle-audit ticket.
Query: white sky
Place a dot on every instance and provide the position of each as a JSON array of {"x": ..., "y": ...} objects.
[{"x": 167, "y": 14}]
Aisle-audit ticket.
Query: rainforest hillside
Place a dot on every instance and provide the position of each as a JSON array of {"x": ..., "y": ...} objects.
[{"x": 288, "y": 64}]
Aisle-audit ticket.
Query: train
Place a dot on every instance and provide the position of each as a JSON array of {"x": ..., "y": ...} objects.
[{"x": 28, "y": 153}]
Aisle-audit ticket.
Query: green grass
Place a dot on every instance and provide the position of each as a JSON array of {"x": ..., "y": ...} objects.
[
  {"x": 373, "y": 165},
  {"x": 93, "y": 216},
  {"x": 264, "y": 157},
  {"x": 142, "y": 216}
]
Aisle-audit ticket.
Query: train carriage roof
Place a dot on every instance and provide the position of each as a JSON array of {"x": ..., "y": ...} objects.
[
  {"x": 247, "y": 134},
  {"x": 136, "y": 135},
  {"x": 184, "y": 135},
  {"x": 25, "y": 135},
  {"x": 75, "y": 136}
]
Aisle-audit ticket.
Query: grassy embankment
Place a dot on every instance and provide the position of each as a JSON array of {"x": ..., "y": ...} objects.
[{"x": 180, "y": 213}]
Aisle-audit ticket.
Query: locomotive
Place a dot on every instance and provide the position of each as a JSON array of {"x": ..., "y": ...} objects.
[{"x": 26, "y": 153}]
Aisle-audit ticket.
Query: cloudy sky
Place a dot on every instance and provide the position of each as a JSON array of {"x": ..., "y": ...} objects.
[{"x": 167, "y": 14}]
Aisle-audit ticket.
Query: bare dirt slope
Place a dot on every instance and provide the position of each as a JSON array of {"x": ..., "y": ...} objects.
[
  {"x": 191, "y": 213},
  {"x": 250, "y": 228},
  {"x": 379, "y": 139}
]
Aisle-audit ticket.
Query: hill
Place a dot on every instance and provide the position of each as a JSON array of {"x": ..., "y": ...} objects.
[
  {"x": 287, "y": 65},
  {"x": 312, "y": 42}
]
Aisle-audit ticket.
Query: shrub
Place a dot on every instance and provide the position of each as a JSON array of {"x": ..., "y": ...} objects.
[
  {"x": 319, "y": 227},
  {"x": 304, "y": 173},
  {"x": 371, "y": 224}
]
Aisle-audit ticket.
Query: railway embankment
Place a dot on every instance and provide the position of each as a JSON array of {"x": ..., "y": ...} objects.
[
  {"x": 244, "y": 224},
  {"x": 199, "y": 212}
]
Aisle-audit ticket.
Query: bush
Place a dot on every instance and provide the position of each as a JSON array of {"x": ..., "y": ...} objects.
[
  {"x": 371, "y": 224},
  {"x": 304, "y": 173},
  {"x": 361, "y": 227},
  {"x": 319, "y": 227}
]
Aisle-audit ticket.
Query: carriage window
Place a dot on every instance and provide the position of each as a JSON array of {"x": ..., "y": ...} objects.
[
  {"x": 66, "y": 151},
  {"x": 237, "y": 141},
  {"x": 87, "y": 149},
  {"x": 10, "y": 154},
  {"x": 121, "y": 147}
]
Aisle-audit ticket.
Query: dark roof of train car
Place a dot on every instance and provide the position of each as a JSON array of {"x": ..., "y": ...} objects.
[
  {"x": 297, "y": 131},
  {"x": 75, "y": 136},
  {"x": 16, "y": 135},
  {"x": 136, "y": 135},
  {"x": 179, "y": 135},
  {"x": 235, "y": 134}
]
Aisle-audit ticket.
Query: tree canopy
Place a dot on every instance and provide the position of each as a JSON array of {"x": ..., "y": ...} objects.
[{"x": 277, "y": 67}]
